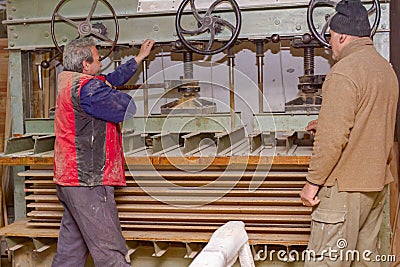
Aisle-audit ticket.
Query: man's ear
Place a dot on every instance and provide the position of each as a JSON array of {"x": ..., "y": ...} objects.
[
  {"x": 84, "y": 65},
  {"x": 342, "y": 38}
]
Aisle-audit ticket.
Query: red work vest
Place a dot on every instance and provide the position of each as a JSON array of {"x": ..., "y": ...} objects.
[{"x": 87, "y": 151}]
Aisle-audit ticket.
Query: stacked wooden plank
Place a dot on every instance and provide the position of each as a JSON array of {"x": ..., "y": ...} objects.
[{"x": 179, "y": 204}]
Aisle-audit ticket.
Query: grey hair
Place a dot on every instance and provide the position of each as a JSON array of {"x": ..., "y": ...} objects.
[{"x": 77, "y": 51}]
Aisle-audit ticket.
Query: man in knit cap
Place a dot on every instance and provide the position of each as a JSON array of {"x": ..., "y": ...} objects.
[{"x": 349, "y": 173}]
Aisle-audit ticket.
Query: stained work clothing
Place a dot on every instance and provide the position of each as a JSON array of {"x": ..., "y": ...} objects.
[
  {"x": 84, "y": 209},
  {"x": 88, "y": 163},
  {"x": 98, "y": 99},
  {"x": 87, "y": 111}
]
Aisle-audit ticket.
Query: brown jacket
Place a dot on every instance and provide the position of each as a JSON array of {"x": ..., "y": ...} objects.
[{"x": 355, "y": 133}]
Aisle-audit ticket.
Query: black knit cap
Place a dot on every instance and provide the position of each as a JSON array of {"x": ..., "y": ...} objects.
[{"x": 351, "y": 18}]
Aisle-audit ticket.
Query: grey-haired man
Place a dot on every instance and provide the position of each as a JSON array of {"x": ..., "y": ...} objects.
[{"x": 88, "y": 156}]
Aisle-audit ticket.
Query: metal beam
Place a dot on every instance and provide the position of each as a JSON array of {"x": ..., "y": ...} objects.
[
  {"x": 228, "y": 141},
  {"x": 32, "y": 32},
  {"x": 255, "y": 142},
  {"x": 279, "y": 122},
  {"x": 42, "y": 244},
  {"x": 44, "y": 144},
  {"x": 39, "y": 126},
  {"x": 160, "y": 248},
  {"x": 16, "y": 88},
  {"x": 193, "y": 142},
  {"x": 288, "y": 138},
  {"x": 168, "y": 123},
  {"x": 15, "y": 243},
  {"x": 19, "y": 193},
  {"x": 132, "y": 247},
  {"x": 134, "y": 142},
  {"x": 19, "y": 144},
  {"x": 165, "y": 142},
  {"x": 192, "y": 249}
]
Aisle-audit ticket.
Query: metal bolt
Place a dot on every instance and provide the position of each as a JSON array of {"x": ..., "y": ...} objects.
[
  {"x": 275, "y": 38},
  {"x": 10, "y": 18},
  {"x": 9, "y": 1},
  {"x": 13, "y": 8},
  {"x": 11, "y": 28},
  {"x": 383, "y": 26},
  {"x": 383, "y": 7},
  {"x": 156, "y": 28},
  {"x": 15, "y": 35},
  {"x": 12, "y": 44},
  {"x": 277, "y": 21},
  {"x": 64, "y": 39},
  {"x": 46, "y": 34},
  {"x": 298, "y": 27}
]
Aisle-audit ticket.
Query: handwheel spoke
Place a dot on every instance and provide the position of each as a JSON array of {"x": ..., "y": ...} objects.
[
  {"x": 70, "y": 21},
  {"x": 325, "y": 27},
  {"x": 213, "y": 6},
  {"x": 211, "y": 41},
  {"x": 372, "y": 9},
  {"x": 101, "y": 36},
  {"x": 194, "y": 11},
  {"x": 193, "y": 32},
  {"x": 89, "y": 17},
  {"x": 225, "y": 23}
]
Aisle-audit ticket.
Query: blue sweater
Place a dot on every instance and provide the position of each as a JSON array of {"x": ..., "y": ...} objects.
[{"x": 103, "y": 102}]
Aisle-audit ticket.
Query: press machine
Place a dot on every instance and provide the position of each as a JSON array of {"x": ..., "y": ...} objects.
[{"x": 219, "y": 135}]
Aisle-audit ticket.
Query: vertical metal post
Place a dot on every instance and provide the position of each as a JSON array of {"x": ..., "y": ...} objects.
[
  {"x": 146, "y": 88},
  {"x": 16, "y": 92},
  {"x": 27, "y": 89},
  {"x": 260, "y": 74},
  {"x": 231, "y": 56},
  {"x": 17, "y": 124},
  {"x": 46, "y": 88},
  {"x": 19, "y": 193}
]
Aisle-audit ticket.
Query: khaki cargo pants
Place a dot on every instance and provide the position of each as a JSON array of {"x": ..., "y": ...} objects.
[{"x": 345, "y": 227}]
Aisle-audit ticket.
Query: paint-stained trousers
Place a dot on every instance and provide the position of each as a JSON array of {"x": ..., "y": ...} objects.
[
  {"x": 90, "y": 223},
  {"x": 345, "y": 227}
]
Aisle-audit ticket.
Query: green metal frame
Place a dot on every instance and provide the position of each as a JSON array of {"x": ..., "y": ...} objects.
[{"x": 29, "y": 22}]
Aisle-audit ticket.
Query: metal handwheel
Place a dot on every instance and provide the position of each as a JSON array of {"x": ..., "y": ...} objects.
[
  {"x": 208, "y": 23},
  {"x": 86, "y": 28},
  {"x": 322, "y": 36}
]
